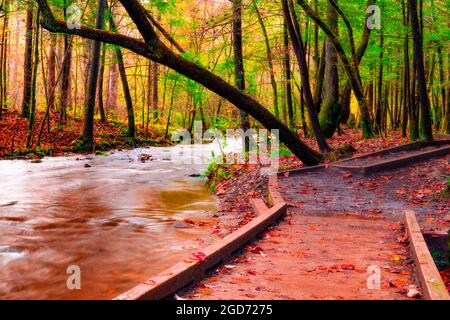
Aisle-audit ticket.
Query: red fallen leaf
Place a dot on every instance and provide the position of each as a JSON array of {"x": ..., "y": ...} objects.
[
  {"x": 251, "y": 272},
  {"x": 189, "y": 221},
  {"x": 255, "y": 250},
  {"x": 200, "y": 256},
  {"x": 272, "y": 234},
  {"x": 240, "y": 260},
  {"x": 250, "y": 295},
  {"x": 347, "y": 175},
  {"x": 216, "y": 231},
  {"x": 401, "y": 191},
  {"x": 348, "y": 267}
]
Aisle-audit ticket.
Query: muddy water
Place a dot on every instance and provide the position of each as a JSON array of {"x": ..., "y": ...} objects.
[{"x": 115, "y": 217}]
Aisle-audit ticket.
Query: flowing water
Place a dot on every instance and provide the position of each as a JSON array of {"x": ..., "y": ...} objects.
[{"x": 115, "y": 217}]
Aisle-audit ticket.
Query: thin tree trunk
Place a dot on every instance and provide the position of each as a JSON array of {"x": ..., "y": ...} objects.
[
  {"x": 299, "y": 48},
  {"x": 420, "y": 69},
  {"x": 330, "y": 110},
  {"x": 3, "y": 60},
  {"x": 101, "y": 105},
  {"x": 32, "y": 113},
  {"x": 273, "y": 82},
  {"x": 28, "y": 64},
  {"x": 126, "y": 89},
  {"x": 155, "y": 91},
  {"x": 88, "y": 129},
  {"x": 379, "y": 105},
  {"x": 287, "y": 74},
  {"x": 51, "y": 77},
  {"x": 239, "y": 72}
]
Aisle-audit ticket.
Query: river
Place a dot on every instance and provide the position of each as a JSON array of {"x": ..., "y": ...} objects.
[{"x": 118, "y": 218}]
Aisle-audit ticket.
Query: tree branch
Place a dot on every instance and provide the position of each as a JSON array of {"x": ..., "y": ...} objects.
[{"x": 158, "y": 52}]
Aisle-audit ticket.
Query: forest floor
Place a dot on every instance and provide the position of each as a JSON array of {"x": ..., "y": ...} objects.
[
  {"x": 63, "y": 140},
  {"x": 338, "y": 225}
]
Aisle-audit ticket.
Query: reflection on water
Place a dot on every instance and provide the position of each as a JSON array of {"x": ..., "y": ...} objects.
[{"x": 115, "y": 217}]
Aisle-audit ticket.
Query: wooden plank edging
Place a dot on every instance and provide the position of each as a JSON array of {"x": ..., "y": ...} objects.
[
  {"x": 391, "y": 164},
  {"x": 433, "y": 286},
  {"x": 188, "y": 273}
]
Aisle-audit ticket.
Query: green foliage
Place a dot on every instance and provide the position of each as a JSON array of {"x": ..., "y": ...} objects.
[
  {"x": 81, "y": 146},
  {"x": 215, "y": 174}
]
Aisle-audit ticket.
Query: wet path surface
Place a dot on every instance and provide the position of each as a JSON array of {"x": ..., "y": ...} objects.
[
  {"x": 338, "y": 226},
  {"x": 118, "y": 218}
]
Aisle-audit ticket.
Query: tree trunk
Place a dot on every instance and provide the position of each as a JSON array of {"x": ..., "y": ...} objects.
[
  {"x": 351, "y": 66},
  {"x": 239, "y": 72},
  {"x": 273, "y": 82},
  {"x": 88, "y": 129},
  {"x": 126, "y": 89},
  {"x": 101, "y": 76},
  {"x": 346, "y": 94},
  {"x": 330, "y": 110},
  {"x": 32, "y": 113},
  {"x": 113, "y": 76},
  {"x": 28, "y": 64},
  {"x": 152, "y": 48},
  {"x": 299, "y": 48},
  {"x": 287, "y": 75},
  {"x": 3, "y": 60},
  {"x": 379, "y": 105},
  {"x": 51, "y": 77},
  {"x": 420, "y": 70},
  {"x": 66, "y": 71},
  {"x": 155, "y": 91}
]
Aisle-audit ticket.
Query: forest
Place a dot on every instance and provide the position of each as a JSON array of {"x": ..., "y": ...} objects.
[
  {"x": 92, "y": 94},
  {"x": 303, "y": 68}
]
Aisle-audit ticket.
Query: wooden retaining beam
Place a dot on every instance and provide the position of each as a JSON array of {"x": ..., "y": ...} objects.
[
  {"x": 391, "y": 164},
  {"x": 187, "y": 273},
  {"x": 433, "y": 286},
  {"x": 444, "y": 140}
]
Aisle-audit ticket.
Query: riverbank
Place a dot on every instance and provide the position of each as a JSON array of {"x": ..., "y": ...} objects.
[{"x": 64, "y": 140}]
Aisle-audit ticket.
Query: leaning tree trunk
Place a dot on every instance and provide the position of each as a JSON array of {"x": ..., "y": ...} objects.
[
  {"x": 427, "y": 130},
  {"x": 299, "y": 48},
  {"x": 154, "y": 49},
  {"x": 351, "y": 66},
  {"x": 346, "y": 93}
]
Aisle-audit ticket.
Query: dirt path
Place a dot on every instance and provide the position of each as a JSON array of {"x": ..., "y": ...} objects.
[
  {"x": 337, "y": 227},
  {"x": 314, "y": 257}
]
